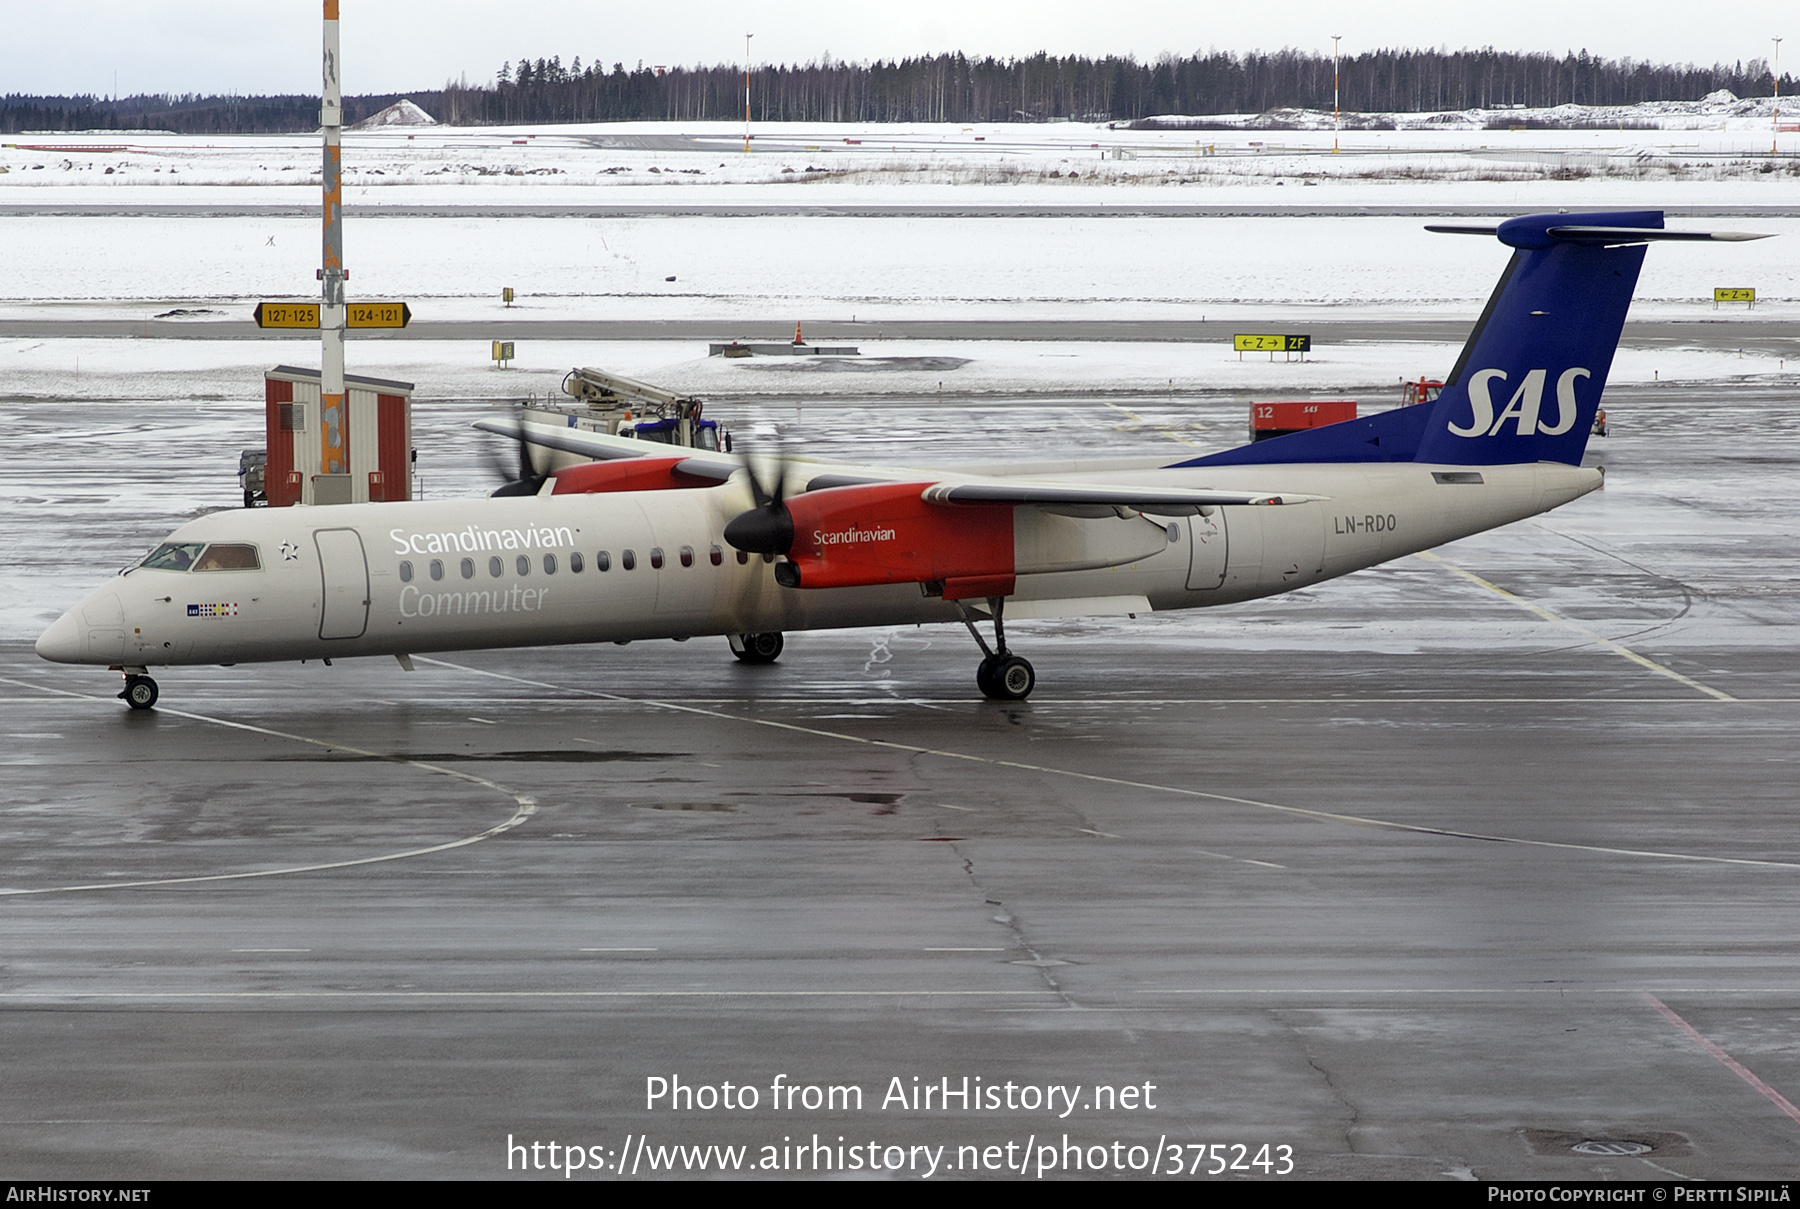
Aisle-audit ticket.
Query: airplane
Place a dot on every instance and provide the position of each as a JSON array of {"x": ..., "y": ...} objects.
[{"x": 638, "y": 541}]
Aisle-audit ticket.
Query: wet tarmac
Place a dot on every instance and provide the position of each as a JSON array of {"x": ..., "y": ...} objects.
[{"x": 1483, "y": 865}]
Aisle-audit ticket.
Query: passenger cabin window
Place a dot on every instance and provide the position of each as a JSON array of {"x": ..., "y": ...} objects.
[
  {"x": 524, "y": 564},
  {"x": 437, "y": 568},
  {"x": 717, "y": 555},
  {"x": 656, "y": 557},
  {"x": 496, "y": 568},
  {"x": 405, "y": 571},
  {"x": 468, "y": 568},
  {"x": 603, "y": 561},
  {"x": 687, "y": 556},
  {"x": 628, "y": 560},
  {"x": 549, "y": 564},
  {"x": 222, "y": 556},
  {"x": 173, "y": 556},
  {"x": 575, "y": 563}
]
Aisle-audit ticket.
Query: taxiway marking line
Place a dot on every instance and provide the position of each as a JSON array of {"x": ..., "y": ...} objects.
[
  {"x": 1731, "y": 1064},
  {"x": 887, "y": 993},
  {"x": 1141, "y": 422},
  {"x": 32, "y": 996},
  {"x": 1223, "y": 856},
  {"x": 1328, "y": 816},
  {"x": 1622, "y": 651},
  {"x": 524, "y": 807}
]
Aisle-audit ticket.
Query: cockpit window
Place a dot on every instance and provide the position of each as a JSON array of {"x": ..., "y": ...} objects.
[
  {"x": 173, "y": 556},
  {"x": 221, "y": 556}
]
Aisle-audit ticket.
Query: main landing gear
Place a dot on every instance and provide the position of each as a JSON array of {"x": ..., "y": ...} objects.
[
  {"x": 140, "y": 690},
  {"x": 1001, "y": 675},
  {"x": 757, "y": 648}
]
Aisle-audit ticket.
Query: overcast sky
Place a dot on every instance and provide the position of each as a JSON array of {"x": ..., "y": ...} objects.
[{"x": 271, "y": 46}]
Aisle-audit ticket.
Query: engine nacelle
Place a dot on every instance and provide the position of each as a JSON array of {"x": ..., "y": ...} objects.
[{"x": 885, "y": 533}]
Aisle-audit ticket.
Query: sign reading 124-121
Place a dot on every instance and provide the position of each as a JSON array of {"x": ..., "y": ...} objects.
[{"x": 356, "y": 314}]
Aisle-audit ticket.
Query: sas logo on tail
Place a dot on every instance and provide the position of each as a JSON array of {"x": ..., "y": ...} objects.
[{"x": 1523, "y": 407}]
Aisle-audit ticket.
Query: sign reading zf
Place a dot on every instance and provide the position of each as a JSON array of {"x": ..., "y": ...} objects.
[{"x": 1271, "y": 344}]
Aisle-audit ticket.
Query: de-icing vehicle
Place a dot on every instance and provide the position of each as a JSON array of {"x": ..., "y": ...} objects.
[{"x": 636, "y": 538}]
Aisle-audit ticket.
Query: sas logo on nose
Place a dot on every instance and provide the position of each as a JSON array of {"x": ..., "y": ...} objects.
[{"x": 1523, "y": 407}]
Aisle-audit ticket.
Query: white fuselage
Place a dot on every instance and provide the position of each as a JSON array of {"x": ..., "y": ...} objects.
[{"x": 403, "y": 578}]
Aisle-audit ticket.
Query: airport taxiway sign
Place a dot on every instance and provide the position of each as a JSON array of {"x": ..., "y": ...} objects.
[{"x": 357, "y": 314}]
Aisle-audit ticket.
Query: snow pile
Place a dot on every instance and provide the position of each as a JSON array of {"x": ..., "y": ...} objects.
[
  {"x": 1708, "y": 113},
  {"x": 400, "y": 113}
]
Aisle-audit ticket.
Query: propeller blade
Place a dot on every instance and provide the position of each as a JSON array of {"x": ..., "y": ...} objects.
[
  {"x": 524, "y": 478},
  {"x": 768, "y": 528}
]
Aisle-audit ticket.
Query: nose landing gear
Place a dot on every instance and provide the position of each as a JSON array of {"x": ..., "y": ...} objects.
[
  {"x": 140, "y": 691},
  {"x": 1001, "y": 675}
]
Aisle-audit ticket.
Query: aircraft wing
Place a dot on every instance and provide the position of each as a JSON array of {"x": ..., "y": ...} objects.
[
  {"x": 1161, "y": 501},
  {"x": 604, "y": 448},
  {"x": 1071, "y": 498}
]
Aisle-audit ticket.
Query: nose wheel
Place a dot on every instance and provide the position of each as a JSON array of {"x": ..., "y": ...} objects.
[
  {"x": 140, "y": 692},
  {"x": 1001, "y": 675}
]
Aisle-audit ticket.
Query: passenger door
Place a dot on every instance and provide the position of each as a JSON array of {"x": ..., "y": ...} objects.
[{"x": 344, "y": 569}]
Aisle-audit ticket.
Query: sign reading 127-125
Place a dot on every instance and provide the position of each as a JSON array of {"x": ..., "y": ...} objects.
[{"x": 356, "y": 314}]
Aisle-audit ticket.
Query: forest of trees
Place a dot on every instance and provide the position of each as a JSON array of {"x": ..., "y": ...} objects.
[
  {"x": 954, "y": 88},
  {"x": 184, "y": 114}
]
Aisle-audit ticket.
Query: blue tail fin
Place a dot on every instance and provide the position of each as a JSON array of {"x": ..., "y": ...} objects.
[{"x": 1529, "y": 380}]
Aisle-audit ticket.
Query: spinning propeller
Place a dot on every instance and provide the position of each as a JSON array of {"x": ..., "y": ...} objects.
[
  {"x": 525, "y": 478},
  {"x": 768, "y": 528}
]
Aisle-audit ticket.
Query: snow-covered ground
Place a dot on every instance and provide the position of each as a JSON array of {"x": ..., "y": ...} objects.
[
  {"x": 820, "y": 268},
  {"x": 104, "y": 258},
  {"x": 1688, "y": 150}
]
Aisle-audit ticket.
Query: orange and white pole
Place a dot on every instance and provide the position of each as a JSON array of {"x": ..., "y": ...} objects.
[
  {"x": 1775, "y": 145},
  {"x": 334, "y": 416},
  {"x": 747, "y": 38},
  {"x": 1334, "y": 92}
]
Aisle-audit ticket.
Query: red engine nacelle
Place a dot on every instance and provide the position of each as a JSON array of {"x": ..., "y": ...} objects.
[{"x": 884, "y": 533}]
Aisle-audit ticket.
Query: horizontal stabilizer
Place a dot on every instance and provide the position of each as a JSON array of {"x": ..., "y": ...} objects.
[{"x": 1542, "y": 230}]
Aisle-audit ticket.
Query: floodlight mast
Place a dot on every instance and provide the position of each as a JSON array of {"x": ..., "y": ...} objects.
[
  {"x": 1335, "y": 39},
  {"x": 747, "y": 38},
  {"x": 334, "y": 423},
  {"x": 1775, "y": 74}
]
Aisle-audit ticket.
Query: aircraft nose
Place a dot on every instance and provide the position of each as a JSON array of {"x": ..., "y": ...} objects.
[{"x": 63, "y": 641}]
